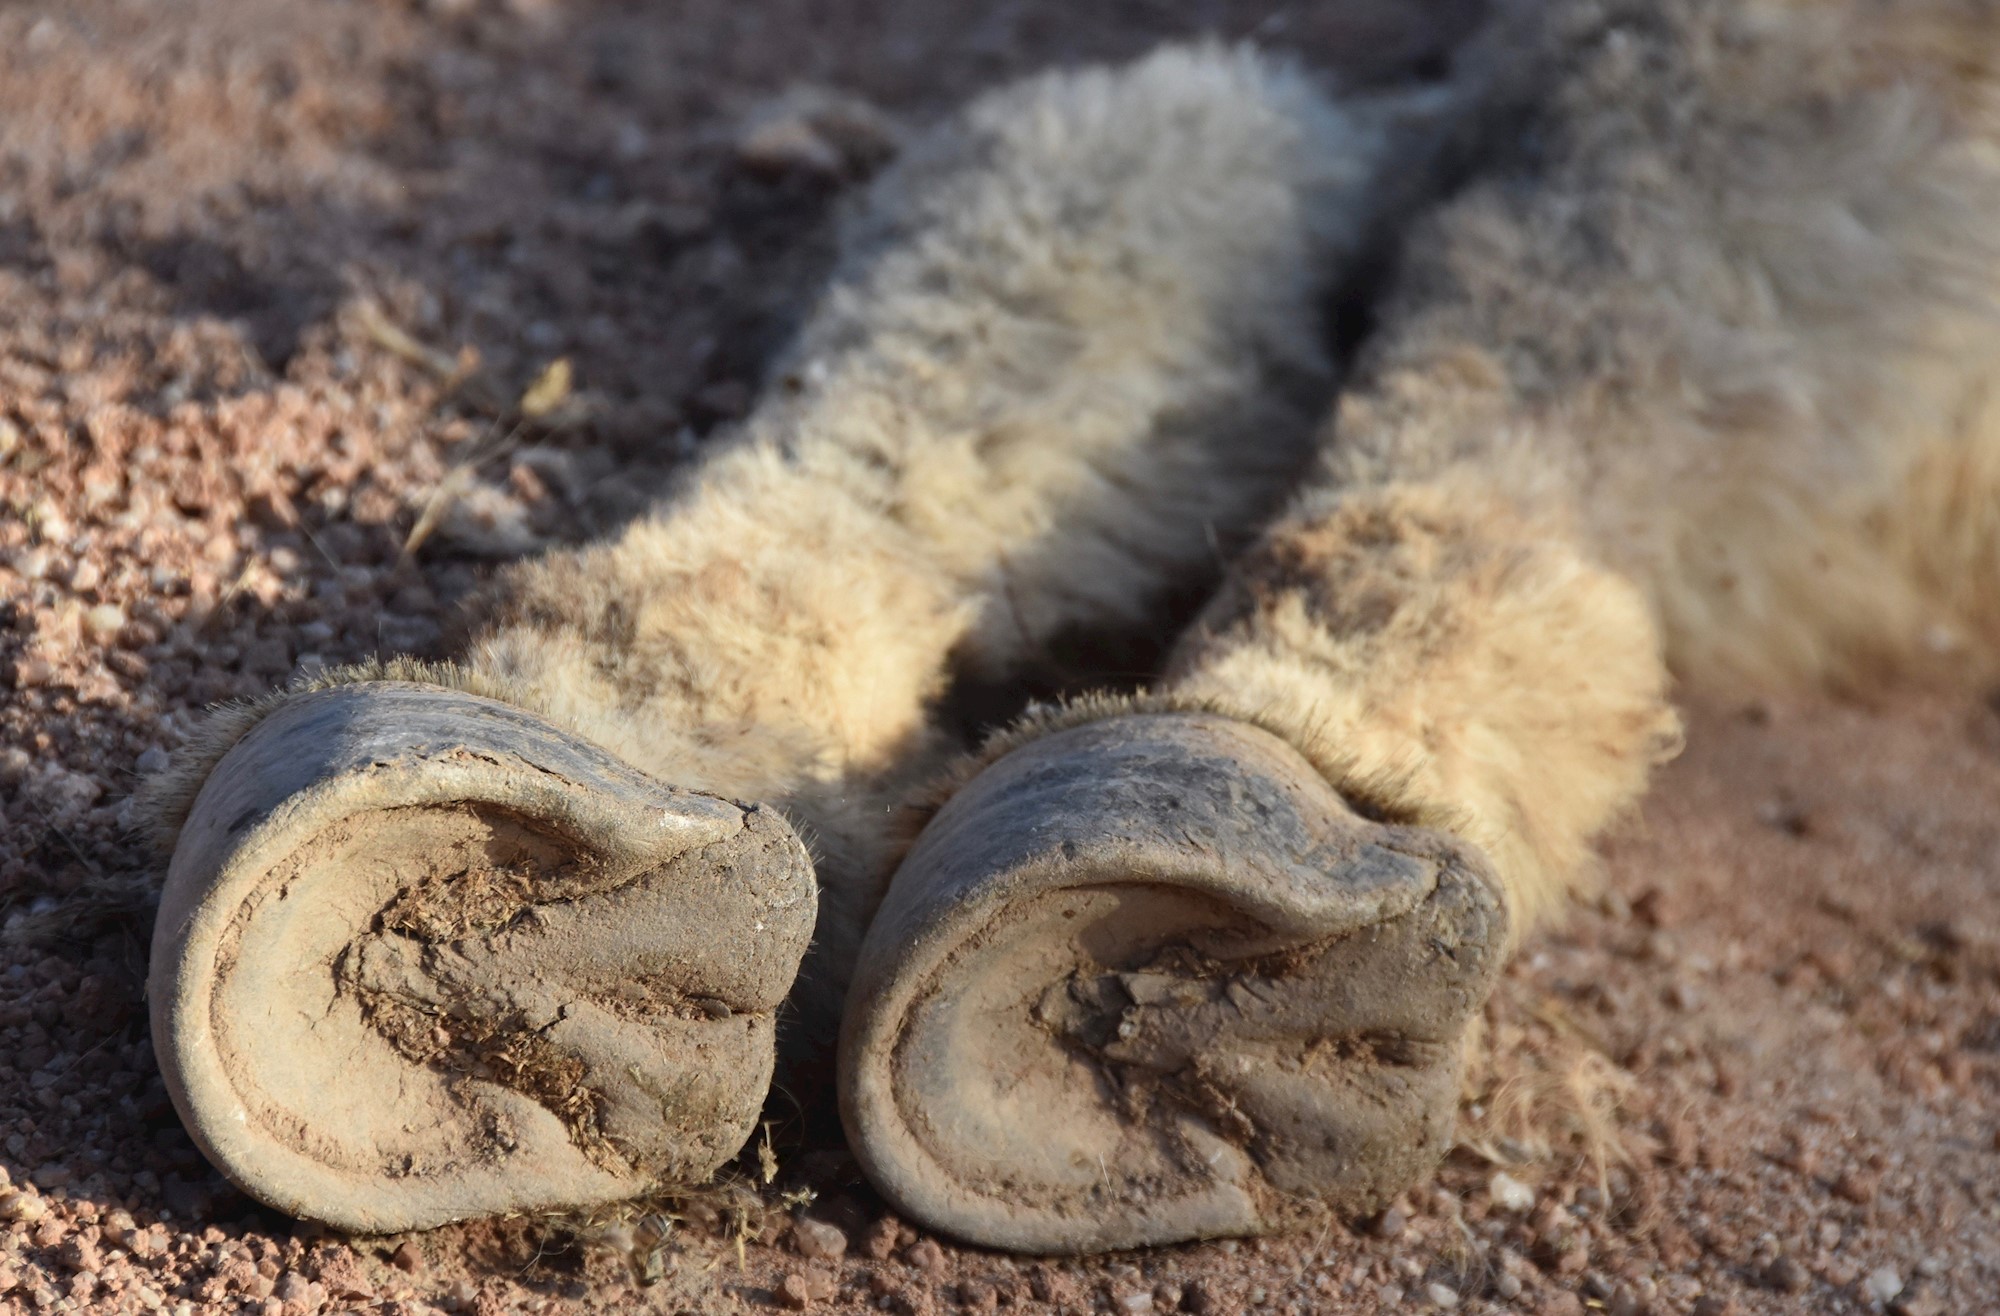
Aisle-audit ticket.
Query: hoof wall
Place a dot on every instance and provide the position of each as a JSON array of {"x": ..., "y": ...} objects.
[
  {"x": 422, "y": 957},
  {"x": 1151, "y": 979}
]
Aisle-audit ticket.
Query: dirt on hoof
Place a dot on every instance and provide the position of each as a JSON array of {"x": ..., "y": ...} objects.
[
  {"x": 423, "y": 957},
  {"x": 1775, "y": 1037},
  {"x": 1151, "y": 979}
]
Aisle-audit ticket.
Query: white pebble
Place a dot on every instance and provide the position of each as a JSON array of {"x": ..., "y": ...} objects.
[
  {"x": 1884, "y": 1283},
  {"x": 104, "y": 621},
  {"x": 1441, "y": 1295},
  {"x": 1509, "y": 1193}
]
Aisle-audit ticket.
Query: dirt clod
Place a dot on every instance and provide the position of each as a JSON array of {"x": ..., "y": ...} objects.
[
  {"x": 794, "y": 1292},
  {"x": 926, "y": 1256}
]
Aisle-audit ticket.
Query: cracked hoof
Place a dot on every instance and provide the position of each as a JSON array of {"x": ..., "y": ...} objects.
[
  {"x": 1152, "y": 979},
  {"x": 422, "y": 956}
]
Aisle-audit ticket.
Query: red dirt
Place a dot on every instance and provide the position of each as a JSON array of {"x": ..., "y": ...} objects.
[{"x": 1762, "y": 1074}]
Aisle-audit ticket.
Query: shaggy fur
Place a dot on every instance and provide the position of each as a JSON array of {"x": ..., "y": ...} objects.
[
  {"x": 1697, "y": 373},
  {"x": 1071, "y": 346}
]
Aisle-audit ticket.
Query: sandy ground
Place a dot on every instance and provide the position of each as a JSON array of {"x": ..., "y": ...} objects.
[{"x": 273, "y": 280}]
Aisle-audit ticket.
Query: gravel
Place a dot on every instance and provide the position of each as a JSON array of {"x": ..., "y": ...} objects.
[{"x": 1760, "y": 1075}]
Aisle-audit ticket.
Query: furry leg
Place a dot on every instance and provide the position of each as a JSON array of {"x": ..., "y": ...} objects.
[
  {"x": 1663, "y": 383},
  {"x": 1694, "y": 376},
  {"x": 1070, "y": 346}
]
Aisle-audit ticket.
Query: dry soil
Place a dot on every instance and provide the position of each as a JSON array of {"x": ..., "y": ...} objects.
[{"x": 274, "y": 280}]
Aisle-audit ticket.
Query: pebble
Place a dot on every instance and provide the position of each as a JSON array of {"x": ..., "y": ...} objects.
[
  {"x": 1883, "y": 1283},
  {"x": 32, "y": 563},
  {"x": 1919, "y": 1304},
  {"x": 1509, "y": 1193},
  {"x": 1857, "y": 1188},
  {"x": 1391, "y": 1222},
  {"x": 794, "y": 1292},
  {"x": 1787, "y": 1276},
  {"x": 1441, "y": 1295},
  {"x": 104, "y": 621},
  {"x": 818, "y": 1240}
]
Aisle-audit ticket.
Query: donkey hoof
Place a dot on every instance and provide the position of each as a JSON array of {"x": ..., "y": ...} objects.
[
  {"x": 1152, "y": 979},
  {"x": 422, "y": 956}
]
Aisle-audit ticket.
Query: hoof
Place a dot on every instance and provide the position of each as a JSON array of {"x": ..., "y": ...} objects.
[
  {"x": 1152, "y": 979},
  {"x": 422, "y": 956}
]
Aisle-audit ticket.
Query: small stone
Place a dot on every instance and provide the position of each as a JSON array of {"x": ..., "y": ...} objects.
[
  {"x": 32, "y": 563},
  {"x": 104, "y": 621},
  {"x": 406, "y": 1258},
  {"x": 1441, "y": 1295},
  {"x": 1391, "y": 1222},
  {"x": 1134, "y": 1304},
  {"x": 153, "y": 761},
  {"x": 1509, "y": 1193},
  {"x": 33, "y": 673},
  {"x": 23, "y": 1206},
  {"x": 1787, "y": 1276},
  {"x": 1715, "y": 1304},
  {"x": 1857, "y": 1188},
  {"x": 1883, "y": 1284},
  {"x": 794, "y": 1292},
  {"x": 818, "y": 1241},
  {"x": 1507, "y": 1287}
]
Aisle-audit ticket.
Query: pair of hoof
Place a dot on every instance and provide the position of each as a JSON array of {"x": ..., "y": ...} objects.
[{"x": 422, "y": 957}]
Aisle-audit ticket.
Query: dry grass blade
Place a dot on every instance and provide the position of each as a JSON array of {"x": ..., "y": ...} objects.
[
  {"x": 456, "y": 481},
  {"x": 391, "y": 337},
  {"x": 549, "y": 391}
]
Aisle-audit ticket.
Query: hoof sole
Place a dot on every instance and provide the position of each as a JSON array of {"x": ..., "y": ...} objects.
[
  {"x": 422, "y": 956},
  {"x": 1151, "y": 979}
]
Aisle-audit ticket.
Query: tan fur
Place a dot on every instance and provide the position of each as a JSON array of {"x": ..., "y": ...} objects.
[
  {"x": 1070, "y": 352},
  {"x": 1733, "y": 308},
  {"x": 1697, "y": 371},
  {"x": 1695, "y": 375}
]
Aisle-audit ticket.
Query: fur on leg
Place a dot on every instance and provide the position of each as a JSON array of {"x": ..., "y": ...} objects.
[
  {"x": 1441, "y": 659},
  {"x": 1727, "y": 289},
  {"x": 1700, "y": 360},
  {"x": 1070, "y": 346}
]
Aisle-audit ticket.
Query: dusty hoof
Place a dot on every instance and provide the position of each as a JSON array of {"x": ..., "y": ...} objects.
[
  {"x": 422, "y": 956},
  {"x": 1151, "y": 979}
]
